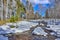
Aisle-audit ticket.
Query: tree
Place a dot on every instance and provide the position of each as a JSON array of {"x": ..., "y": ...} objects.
[
  {"x": 29, "y": 10},
  {"x": 46, "y": 15},
  {"x": 37, "y": 15},
  {"x": 20, "y": 7},
  {"x": 55, "y": 11},
  {"x": 1, "y": 9}
]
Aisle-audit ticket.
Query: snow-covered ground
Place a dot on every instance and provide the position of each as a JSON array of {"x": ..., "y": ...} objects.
[
  {"x": 21, "y": 27},
  {"x": 54, "y": 25},
  {"x": 3, "y": 37},
  {"x": 57, "y": 39}
]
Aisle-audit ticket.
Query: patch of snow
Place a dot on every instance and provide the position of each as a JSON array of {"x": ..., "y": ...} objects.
[
  {"x": 57, "y": 39},
  {"x": 39, "y": 31},
  {"x": 25, "y": 23},
  {"x": 53, "y": 33},
  {"x": 4, "y": 27},
  {"x": 19, "y": 30},
  {"x": 10, "y": 24},
  {"x": 3, "y": 37},
  {"x": 53, "y": 27},
  {"x": 24, "y": 27},
  {"x": 56, "y": 29}
]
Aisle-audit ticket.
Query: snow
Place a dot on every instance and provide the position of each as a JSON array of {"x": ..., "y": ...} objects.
[
  {"x": 25, "y": 23},
  {"x": 3, "y": 37},
  {"x": 23, "y": 26},
  {"x": 57, "y": 39},
  {"x": 53, "y": 27},
  {"x": 53, "y": 22},
  {"x": 4, "y": 27},
  {"x": 20, "y": 29},
  {"x": 10, "y": 24},
  {"x": 53, "y": 33},
  {"x": 14, "y": 30},
  {"x": 22, "y": 22},
  {"x": 39, "y": 31}
]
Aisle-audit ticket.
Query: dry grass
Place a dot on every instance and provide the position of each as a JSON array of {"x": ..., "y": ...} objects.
[
  {"x": 2, "y": 22},
  {"x": 8, "y": 20}
]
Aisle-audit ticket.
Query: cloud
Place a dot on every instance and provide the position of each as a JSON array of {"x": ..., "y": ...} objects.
[{"x": 40, "y": 1}]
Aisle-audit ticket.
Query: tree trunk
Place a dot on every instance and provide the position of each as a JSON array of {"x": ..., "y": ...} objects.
[{"x": 1, "y": 10}]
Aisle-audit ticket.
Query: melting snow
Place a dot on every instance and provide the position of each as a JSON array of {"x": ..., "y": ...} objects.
[
  {"x": 3, "y": 37},
  {"x": 39, "y": 31}
]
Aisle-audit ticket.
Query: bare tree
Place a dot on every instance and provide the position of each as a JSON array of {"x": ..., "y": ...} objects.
[{"x": 1, "y": 9}]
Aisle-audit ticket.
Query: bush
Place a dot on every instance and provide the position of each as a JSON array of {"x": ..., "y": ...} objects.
[
  {"x": 12, "y": 19},
  {"x": 16, "y": 18},
  {"x": 12, "y": 26}
]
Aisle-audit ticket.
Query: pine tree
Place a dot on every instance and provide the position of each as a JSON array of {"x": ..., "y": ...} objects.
[{"x": 29, "y": 10}]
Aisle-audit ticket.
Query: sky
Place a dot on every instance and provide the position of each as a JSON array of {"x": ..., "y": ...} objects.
[{"x": 45, "y": 4}]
